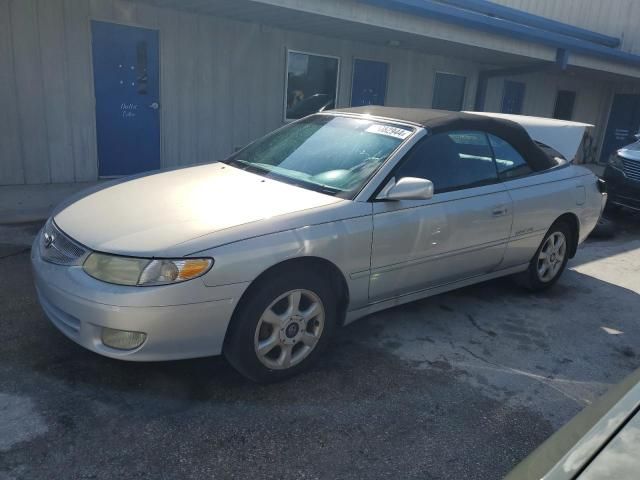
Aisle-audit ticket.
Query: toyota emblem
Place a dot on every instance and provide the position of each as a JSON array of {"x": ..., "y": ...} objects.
[{"x": 49, "y": 238}]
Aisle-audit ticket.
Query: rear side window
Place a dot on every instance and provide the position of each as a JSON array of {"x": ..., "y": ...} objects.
[
  {"x": 553, "y": 154},
  {"x": 509, "y": 162},
  {"x": 452, "y": 161}
]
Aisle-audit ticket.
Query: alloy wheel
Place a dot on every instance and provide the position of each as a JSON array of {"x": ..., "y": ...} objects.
[
  {"x": 289, "y": 329},
  {"x": 551, "y": 256}
]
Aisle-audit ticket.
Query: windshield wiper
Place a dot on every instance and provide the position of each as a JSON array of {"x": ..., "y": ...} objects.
[
  {"x": 261, "y": 167},
  {"x": 250, "y": 165}
]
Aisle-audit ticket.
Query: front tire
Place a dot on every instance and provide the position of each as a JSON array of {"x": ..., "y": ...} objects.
[
  {"x": 281, "y": 326},
  {"x": 550, "y": 259}
]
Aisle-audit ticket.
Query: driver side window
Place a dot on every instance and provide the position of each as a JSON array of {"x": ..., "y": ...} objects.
[{"x": 452, "y": 161}]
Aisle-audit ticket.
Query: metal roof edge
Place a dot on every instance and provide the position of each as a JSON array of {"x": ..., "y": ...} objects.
[
  {"x": 508, "y": 13},
  {"x": 479, "y": 21}
]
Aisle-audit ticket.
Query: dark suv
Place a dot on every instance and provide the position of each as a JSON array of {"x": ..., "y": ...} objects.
[{"x": 623, "y": 177}]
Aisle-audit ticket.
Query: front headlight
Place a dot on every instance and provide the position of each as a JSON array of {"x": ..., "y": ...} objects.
[
  {"x": 615, "y": 161},
  {"x": 144, "y": 271}
]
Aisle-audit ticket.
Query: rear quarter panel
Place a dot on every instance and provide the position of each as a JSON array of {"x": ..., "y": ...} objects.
[{"x": 538, "y": 201}]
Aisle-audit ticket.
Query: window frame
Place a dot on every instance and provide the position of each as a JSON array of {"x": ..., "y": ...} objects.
[
  {"x": 435, "y": 89},
  {"x": 286, "y": 78}
]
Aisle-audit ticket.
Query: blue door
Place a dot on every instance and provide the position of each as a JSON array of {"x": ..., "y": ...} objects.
[
  {"x": 126, "y": 79},
  {"x": 513, "y": 97},
  {"x": 369, "y": 83},
  {"x": 624, "y": 123}
]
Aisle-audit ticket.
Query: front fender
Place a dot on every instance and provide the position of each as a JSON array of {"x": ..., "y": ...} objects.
[{"x": 345, "y": 243}]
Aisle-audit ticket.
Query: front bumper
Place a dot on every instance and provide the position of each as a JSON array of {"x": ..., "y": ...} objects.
[
  {"x": 622, "y": 191},
  {"x": 185, "y": 320}
]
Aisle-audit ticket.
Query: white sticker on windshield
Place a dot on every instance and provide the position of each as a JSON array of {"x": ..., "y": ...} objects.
[{"x": 389, "y": 131}]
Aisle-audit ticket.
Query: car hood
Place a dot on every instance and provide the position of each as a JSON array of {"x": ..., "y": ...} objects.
[
  {"x": 630, "y": 152},
  {"x": 150, "y": 214}
]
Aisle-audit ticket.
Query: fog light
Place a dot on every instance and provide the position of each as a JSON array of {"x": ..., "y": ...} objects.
[{"x": 122, "y": 339}]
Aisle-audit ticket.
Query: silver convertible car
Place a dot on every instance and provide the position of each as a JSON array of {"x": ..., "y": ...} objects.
[{"x": 262, "y": 256}]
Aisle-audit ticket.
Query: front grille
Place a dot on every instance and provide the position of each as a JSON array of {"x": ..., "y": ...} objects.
[
  {"x": 56, "y": 247},
  {"x": 631, "y": 169}
]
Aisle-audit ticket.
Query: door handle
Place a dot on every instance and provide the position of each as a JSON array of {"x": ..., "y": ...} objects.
[
  {"x": 499, "y": 211},
  {"x": 154, "y": 106}
]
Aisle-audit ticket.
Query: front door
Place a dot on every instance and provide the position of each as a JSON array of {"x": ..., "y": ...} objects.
[
  {"x": 624, "y": 123},
  {"x": 460, "y": 233},
  {"x": 126, "y": 79},
  {"x": 369, "y": 83}
]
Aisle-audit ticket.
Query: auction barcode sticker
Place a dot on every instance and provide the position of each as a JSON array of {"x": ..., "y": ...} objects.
[{"x": 389, "y": 131}]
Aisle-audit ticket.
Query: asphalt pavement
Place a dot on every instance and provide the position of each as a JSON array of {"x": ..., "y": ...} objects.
[{"x": 461, "y": 385}]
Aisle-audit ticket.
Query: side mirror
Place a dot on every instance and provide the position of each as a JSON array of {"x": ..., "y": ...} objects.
[{"x": 408, "y": 188}]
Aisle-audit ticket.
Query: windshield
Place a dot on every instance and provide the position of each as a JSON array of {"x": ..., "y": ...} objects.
[{"x": 331, "y": 154}]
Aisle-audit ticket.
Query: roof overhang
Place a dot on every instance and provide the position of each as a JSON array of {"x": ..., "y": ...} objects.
[
  {"x": 485, "y": 16},
  {"x": 435, "y": 27},
  {"x": 353, "y": 20}
]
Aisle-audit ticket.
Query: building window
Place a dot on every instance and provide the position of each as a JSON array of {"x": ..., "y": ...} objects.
[
  {"x": 513, "y": 97},
  {"x": 312, "y": 84},
  {"x": 448, "y": 93},
  {"x": 564, "y": 105}
]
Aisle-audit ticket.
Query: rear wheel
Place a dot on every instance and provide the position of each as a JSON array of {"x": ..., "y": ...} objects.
[
  {"x": 550, "y": 260},
  {"x": 282, "y": 326},
  {"x": 605, "y": 228},
  {"x": 612, "y": 208}
]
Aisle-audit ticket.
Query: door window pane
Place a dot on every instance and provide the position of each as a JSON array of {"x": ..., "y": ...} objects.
[
  {"x": 513, "y": 97},
  {"x": 509, "y": 162},
  {"x": 564, "y": 105},
  {"x": 448, "y": 92},
  {"x": 312, "y": 83},
  {"x": 451, "y": 161}
]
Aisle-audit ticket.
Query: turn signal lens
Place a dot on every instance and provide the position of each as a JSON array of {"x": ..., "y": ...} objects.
[{"x": 194, "y": 268}]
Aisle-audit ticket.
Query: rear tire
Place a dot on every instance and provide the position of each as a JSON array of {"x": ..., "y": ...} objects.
[
  {"x": 550, "y": 259},
  {"x": 605, "y": 229},
  {"x": 282, "y": 325},
  {"x": 612, "y": 208}
]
